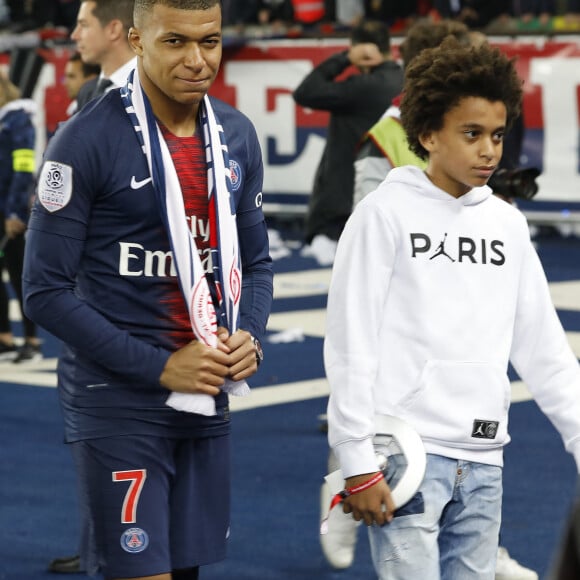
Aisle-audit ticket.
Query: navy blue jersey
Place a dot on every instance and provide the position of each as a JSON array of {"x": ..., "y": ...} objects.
[{"x": 98, "y": 271}]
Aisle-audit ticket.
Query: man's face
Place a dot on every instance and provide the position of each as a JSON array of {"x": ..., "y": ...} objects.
[
  {"x": 92, "y": 40},
  {"x": 466, "y": 151},
  {"x": 180, "y": 53},
  {"x": 73, "y": 78}
]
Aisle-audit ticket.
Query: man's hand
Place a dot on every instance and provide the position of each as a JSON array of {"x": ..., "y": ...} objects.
[
  {"x": 365, "y": 56},
  {"x": 14, "y": 227},
  {"x": 373, "y": 505},
  {"x": 243, "y": 363},
  {"x": 197, "y": 368}
]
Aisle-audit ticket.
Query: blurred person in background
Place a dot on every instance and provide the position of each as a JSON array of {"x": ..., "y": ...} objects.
[
  {"x": 309, "y": 13},
  {"x": 475, "y": 13},
  {"x": 276, "y": 13},
  {"x": 388, "y": 11},
  {"x": 101, "y": 39},
  {"x": 17, "y": 180},
  {"x": 349, "y": 12},
  {"x": 354, "y": 104},
  {"x": 28, "y": 14},
  {"x": 76, "y": 74},
  {"x": 534, "y": 12}
]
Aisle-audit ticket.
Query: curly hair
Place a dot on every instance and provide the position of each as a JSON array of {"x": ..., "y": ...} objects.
[
  {"x": 439, "y": 78},
  {"x": 426, "y": 34}
]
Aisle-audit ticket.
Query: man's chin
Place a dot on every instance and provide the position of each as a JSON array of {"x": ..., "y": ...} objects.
[{"x": 189, "y": 99}]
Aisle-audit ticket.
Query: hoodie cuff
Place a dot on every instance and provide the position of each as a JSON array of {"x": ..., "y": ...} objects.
[{"x": 356, "y": 457}]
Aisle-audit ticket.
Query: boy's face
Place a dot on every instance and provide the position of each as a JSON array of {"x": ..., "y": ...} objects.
[{"x": 466, "y": 151}]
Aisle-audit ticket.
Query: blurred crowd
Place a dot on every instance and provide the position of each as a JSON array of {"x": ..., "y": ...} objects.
[
  {"x": 487, "y": 15},
  {"x": 288, "y": 17}
]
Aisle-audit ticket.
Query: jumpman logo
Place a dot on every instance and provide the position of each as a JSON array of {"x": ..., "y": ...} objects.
[
  {"x": 479, "y": 430},
  {"x": 441, "y": 250}
]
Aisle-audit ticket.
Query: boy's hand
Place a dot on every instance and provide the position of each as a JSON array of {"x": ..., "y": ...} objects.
[{"x": 373, "y": 505}]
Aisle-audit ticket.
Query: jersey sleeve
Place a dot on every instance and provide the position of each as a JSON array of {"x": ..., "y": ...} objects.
[
  {"x": 56, "y": 241},
  {"x": 257, "y": 276}
]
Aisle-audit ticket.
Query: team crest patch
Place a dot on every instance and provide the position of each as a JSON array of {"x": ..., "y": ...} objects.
[
  {"x": 134, "y": 540},
  {"x": 235, "y": 175},
  {"x": 55, "y": 185}
]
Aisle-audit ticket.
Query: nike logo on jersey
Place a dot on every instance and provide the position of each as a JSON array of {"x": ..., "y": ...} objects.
[{"x": 139, "y": 184}]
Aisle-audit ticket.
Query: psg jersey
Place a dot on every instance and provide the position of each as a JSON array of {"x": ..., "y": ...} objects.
[{"x": 102, "y": 277}]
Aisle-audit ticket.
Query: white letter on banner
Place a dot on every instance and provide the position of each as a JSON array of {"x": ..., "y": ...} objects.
[
  {"x": 559, "y": 78},
  {"x": 252, "y": 80}
]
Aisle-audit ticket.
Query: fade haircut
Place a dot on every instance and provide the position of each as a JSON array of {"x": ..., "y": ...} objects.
[
  {"x": 425, "y": 34},
  {"x": 372, "y": 31},
  {"x": 145, "y": 6},
  {"x": 439, "y": 78},
  {"x": 107, "y": 10}
]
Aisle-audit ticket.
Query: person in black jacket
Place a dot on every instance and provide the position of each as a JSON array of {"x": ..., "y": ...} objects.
[{"x": 354, "y": 105}]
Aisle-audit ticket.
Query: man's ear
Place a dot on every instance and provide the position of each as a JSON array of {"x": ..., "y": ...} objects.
[
  {"x": 115, "y": 29},
  {"x": 134, "y": 39}
]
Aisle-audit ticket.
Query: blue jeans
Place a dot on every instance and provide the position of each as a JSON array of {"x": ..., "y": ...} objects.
[{"x": 451, "y": 532}]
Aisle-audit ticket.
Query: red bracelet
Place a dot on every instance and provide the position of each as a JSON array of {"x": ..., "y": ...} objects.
[{"x": 342, "y": 495}]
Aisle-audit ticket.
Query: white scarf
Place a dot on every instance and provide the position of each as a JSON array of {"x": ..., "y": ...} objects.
[{"x": 225, "y": 258}]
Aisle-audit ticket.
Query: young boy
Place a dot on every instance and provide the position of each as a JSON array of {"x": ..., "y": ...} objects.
[{"x": 457, "y": 291}]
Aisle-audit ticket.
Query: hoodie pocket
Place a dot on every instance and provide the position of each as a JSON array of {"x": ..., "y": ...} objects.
[{"x": 462, "y": 404}]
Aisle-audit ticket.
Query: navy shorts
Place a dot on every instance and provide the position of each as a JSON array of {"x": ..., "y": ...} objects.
[{"x": 151, "y": 505}]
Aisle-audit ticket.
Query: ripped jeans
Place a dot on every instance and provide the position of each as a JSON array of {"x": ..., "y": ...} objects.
[{"x": 451, "y": 532}]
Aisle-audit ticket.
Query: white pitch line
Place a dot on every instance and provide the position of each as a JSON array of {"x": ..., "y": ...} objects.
[
  {"x": 566, "y": 295},
  {"x": 280, "y": 394},
  {"x": 303, "y": 283},
  {"x": 312, "y": 322},
  {"x": 258, "y": 397}
]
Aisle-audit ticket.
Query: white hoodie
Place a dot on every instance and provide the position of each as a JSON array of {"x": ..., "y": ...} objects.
[{"x": 430, "y": 297}]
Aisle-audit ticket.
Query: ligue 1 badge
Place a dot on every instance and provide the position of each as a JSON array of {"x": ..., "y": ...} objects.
[{"x": 400, "y": 457}]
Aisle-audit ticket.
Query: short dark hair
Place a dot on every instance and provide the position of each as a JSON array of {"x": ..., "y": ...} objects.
[
  {"x": 143, "y": 6},
  {"x": 439, "y": 78},
  {"x": 373, "y": 31},
  {"x": 88, "y": 69},
  {"x": 426, "y": 34},
  {"x": 107, "y": 10}
]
